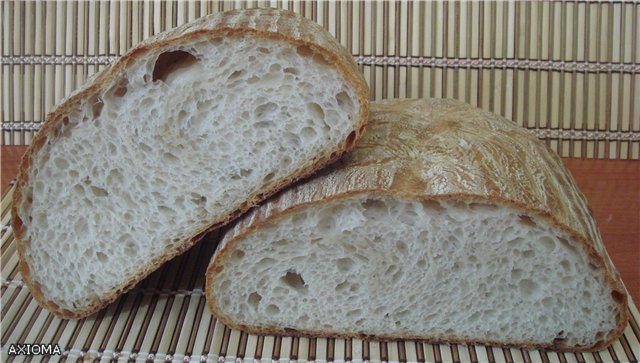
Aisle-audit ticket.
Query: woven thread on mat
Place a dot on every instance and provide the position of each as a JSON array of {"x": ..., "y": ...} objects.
[{"x": 442, "y": 62}]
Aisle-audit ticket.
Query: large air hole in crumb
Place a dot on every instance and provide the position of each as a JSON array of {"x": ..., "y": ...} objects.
[
  {"x": 267, "y": 125},
  {"x": 216, "y": 41},
  {"x": 120, "y": 89},
  {"x": 267, "y": 178},
  {"x": 483, "y": 207},
  {"x": 308, "y": 133},
  {"x": 200, "y": 200},
  {"x": 321, "y": 60},
  {"x": 81, "y": 226},
  {"x": 145, "y": 148},
  {"x": 548, "y": 244},
  {"x": 254, "y": 299},
  {"x": 114, "y": 177},
  {"x": 79, "y": 190},
  {"x": 304, "y": 50},
  {"x": 265, "y": 110},
  {"x": 242, "y": 174},
  {"x": 374, "y": 208},
  {"x": 169, "y": 157},
  {"x": 237, "y": 254},
  {"x": 433, "y": 205},
  {"x": 101, "y": 257},
  {"x": 489, "y": 314},
  {"x": 326, "y": 225},
  {"x": 528, "y": 287},
  {"x": 396, "y": 276},
  {"x": 569, "y": 247},
  {"x": 99, "y": 192},
  {"x": 275, "y": 68},
  {"x": 526, "y": 220},
  {"x": 64, "y": 128},
  {"x": 402, "y": 247},
  {"x": 617, "y": 296},
  {"x": 292, "y": 70},
  {"x": 169, "y": 62},
  {"x": 266, "y": 261},
  {"x": 96, "y": 106},
  {"x": 235, "y": 75},
  {"x": 61, "y": 163},
  {"x": 286, "y": 161},
  {"x": 315, "y": 110},
  {"x": 516, "y": 273},
  {"x": 344, "y": 264},
  {"x": 344, "y": 101},
  {"x": 516, "y": 242},
  {"x": 351, "y": 138},
  {"x": 273, "y": 309},
  {"x": 294, "y": 280},
  {"x": 292, "y": 139},
  {"x": 342, "y": 286},
  {"x": 166, "y": 211},
  {"x": 391, "y": 269}
]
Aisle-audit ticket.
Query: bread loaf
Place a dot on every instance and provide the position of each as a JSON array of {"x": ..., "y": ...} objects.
[
  {"x": 445, "y": 223},
  {"x": 184, "y": 132}
]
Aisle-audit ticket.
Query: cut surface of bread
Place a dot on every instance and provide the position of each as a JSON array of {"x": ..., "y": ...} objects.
[
  {"x": 179, "y": 136},
  {"x": 445, "y": 223}
]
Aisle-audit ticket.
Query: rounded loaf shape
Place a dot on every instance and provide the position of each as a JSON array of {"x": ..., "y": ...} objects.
[
  {"x": 446, "y": 223},
  {"x": 183, "y": 133}
]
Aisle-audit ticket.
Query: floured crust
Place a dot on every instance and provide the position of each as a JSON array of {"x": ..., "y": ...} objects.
[
  {"x": 272, "y": 24},
  {"x": 442, "y": 150}
]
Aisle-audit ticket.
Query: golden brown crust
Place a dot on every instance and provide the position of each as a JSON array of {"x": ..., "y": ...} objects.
[
  {"x": 444, "y": 150},
  {"x": 272, "y": 24}
]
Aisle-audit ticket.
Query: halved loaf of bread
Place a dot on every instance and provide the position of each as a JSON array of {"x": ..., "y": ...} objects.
[
  {"x": 179, "y": 136},
  {"x": 445, "y": 223}
]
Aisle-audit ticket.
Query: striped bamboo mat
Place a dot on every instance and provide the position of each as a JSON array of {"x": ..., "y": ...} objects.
[
  {"x": 166, "y": 318},
  {"x": 569, "y": 71}
]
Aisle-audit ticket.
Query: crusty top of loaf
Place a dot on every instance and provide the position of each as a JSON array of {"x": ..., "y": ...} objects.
[
  {"x": 447, "y": 149},
  {"x": 262, "y": 23}
]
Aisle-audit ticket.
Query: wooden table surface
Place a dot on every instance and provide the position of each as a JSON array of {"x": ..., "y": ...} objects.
[{"x": 611, "y": 186}]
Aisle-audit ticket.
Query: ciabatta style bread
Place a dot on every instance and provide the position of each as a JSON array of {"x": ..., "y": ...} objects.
[
  {"x": 445, "y": 223},
  {"x": 179, "y": 136}
]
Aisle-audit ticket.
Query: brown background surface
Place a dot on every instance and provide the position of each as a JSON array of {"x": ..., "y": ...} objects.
[{"x": 611, "y": 186}]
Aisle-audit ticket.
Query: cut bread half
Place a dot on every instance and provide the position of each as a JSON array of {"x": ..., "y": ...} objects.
[
  {"x": 180, "y": 135},
  {"x": 445, "y": 223}
]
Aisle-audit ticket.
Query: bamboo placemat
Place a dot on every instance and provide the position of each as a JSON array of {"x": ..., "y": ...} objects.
[
  {"x": 165, "y": 318},
  {"x": 567, "y": 71}
]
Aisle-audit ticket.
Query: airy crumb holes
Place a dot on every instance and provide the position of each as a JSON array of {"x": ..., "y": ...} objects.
[{"x": 169, "y": 62}]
